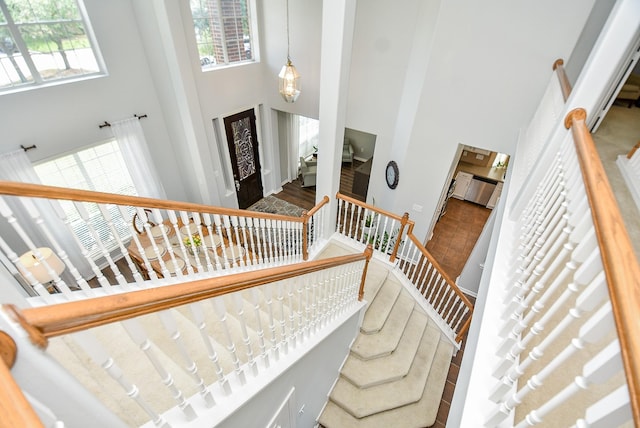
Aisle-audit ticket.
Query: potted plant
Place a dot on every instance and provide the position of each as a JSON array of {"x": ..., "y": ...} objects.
[{"x": 193, "y": 243}]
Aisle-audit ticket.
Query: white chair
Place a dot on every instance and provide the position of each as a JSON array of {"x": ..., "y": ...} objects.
[{"x": 308, "y": 171}]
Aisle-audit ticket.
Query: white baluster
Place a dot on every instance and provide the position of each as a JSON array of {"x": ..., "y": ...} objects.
[
  {"x": 221, "y": 311},
  {"x": 98, "y": 354},
  {"x": 272, "y": 324},
  {"x": 84, "y": 214},
  {"x": 198, "y": 318},
  {"x": 283, "y": 318},
  {"x": 603, "y": 366},
  {"x": 340, "y": 224},
  {"x": 290, "y": 287},
  {"x": 600, "y": 324},
  {"x": 37, "y": 286},
  {"x": 614, "y": 410},
  {"x": 583, "y": 275},
  {"x": 35, "y": 214},
  {"x": 170, "y": 325},
  {"x": 265, "y": 252},
  {"x": 255, "y": 295},
  {"x": 239, "y": 303},
  {"x": 139, "y": 337},
  {"x": 134, "y": 235},
  {"x": 123, "y": 250},
  {"x": 6, "y": 212}
]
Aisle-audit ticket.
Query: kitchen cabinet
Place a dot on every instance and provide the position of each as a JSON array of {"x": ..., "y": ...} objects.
[
  {"x": 463, "y": 180},
  {"x": 493, "y": 200}
]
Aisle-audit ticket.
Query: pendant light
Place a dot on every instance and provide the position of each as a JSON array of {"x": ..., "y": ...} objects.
[{"x": 289, "y": 78}]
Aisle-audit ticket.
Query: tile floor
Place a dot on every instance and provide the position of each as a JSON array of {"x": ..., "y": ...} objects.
[{"x": 456, "y": 233}]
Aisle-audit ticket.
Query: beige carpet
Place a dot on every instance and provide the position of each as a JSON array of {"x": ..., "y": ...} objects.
[
  {"x": 398, "y": 365},
  {"x": 617, "y": 134}
]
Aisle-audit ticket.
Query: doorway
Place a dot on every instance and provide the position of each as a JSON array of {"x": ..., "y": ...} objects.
[{"x": 242, "y": 141}]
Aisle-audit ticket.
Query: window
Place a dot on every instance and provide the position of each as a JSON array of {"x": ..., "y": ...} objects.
[
  {"x": 43, "y": 41},
  {"x": 223, "y": 31},
  {"x": 100, "y": 168},
  {"x": 308, "y": 132},
  {"x": 501, "y": 161}
]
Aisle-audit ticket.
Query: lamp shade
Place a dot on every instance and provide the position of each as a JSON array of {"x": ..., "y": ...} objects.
[
  {"x": 289, "y": 82},
  {"x": 40, "y": 268}
]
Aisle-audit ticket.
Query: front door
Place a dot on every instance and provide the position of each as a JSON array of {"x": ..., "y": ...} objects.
[{"x": 242, "y": 139}]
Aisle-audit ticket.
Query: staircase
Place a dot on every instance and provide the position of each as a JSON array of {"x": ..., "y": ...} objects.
[
  {"x": 396, "y": 371},
  {"x": 394, "y": 376}
]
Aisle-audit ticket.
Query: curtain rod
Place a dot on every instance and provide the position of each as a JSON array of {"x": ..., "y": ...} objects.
[
  {"x": 26, "y": 149},
  {"x": 108, "y": 124}
]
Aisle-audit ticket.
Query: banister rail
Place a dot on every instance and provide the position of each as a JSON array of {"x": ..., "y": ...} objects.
[
  {"x": 14, "y": 407},
  {"x": 50, "y": 321},
  {"x": 633, "y": 150},
  {"x": 14, "y": 188},
  {"x": 620, "y": 264},
  {"x": 438, "y": 267},
  {"x": 565, "y": 85},
  {"x": 372, "y": 208},
  {"x": 392, "y": 235}
]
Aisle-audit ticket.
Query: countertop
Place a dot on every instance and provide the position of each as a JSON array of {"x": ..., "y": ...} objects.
[{"x": 496, "y": 174}]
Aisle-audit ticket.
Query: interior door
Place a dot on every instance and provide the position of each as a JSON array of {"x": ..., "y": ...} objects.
[{"x": 242, "y": 140}]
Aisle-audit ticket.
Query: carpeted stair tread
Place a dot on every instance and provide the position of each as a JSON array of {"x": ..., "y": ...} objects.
[
  {"x": 381, "y": 306},
  {"x": 367, "y": 373},
  {"x": 377, "y": 272},
  {"x": 368, "y": 401},
  {"x": 385, "y": 341},
  {"x": 191, "y": 340},
  {"x": 416, "y": 415},
  {"x": 137, "y": 369},
  {"x": 217, "y": 331}
]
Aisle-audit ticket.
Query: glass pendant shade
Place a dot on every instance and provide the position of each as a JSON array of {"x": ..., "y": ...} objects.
[{"x": 289, "y": 82}]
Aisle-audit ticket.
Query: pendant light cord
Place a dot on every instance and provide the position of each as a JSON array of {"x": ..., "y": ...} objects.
[{"x": 288, "y": 57}]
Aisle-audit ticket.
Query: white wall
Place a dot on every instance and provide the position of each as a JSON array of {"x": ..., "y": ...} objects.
[
  {"x": 65, "y": 117},
  {"x": 487, "y": 67},
  {"x": 312, "y": 376}
]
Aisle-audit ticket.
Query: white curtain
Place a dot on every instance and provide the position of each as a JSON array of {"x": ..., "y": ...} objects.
[
  {"x": 135, "y": 152},
  {"x": 16, "y": 166},
  {"x": 293, "y": 131}
]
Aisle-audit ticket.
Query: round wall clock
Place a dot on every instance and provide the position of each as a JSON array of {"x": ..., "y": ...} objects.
[{"x": 392, "y": 174}]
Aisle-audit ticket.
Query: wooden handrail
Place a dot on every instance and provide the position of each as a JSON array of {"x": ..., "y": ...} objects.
[
  {"x": 442, "y": 272},
  {"x": 618, "y": 258},
  {"x": 372, "y": 208},
  {"x": 14, "y": 188},
  {"x": 45, "y": 322},
  {"x": 565, "y": 85},
  {"x": 318, "y": 206},
  {"x": 368, "y": 253},
  {"x": 14, "y": 407},
  {"x": 633, "y": 150},
  {"x": 396, "y": 246}
]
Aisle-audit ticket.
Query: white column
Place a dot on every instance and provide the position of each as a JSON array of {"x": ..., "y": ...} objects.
[{"x": 338, "y": 22}]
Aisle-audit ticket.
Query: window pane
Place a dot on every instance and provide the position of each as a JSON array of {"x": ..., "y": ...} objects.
[
  {"x": 99, "y": 168},
  {"x": 222, "y": 30},
  {"x": 13, "y": 69},
  {"x": 52, "y": 38}
]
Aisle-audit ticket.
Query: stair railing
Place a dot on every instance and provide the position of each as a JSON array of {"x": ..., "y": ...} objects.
[
  {"x": 160, "y": 241},
  {"x": 630, "y": 168},
  {"x": 300, "y": 301},
  {"x": 391, "y": 236},
  {"x": 570, "y": 300}
]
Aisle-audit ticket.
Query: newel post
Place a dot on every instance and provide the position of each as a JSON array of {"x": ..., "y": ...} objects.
[
  {"x": 403, "y": 224},
  {"x": 305, "y": 236},
  {"x": 368, "y": 252}
]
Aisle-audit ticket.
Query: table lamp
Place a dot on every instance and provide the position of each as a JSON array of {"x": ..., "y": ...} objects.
[{"x": 40, "y": 270}]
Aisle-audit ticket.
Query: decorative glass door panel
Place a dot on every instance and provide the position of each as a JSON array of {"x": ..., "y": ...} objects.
[{"x": 242, "y": 140}]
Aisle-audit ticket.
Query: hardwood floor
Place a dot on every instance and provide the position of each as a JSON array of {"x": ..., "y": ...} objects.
[{"x": 305, "y": 197}]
